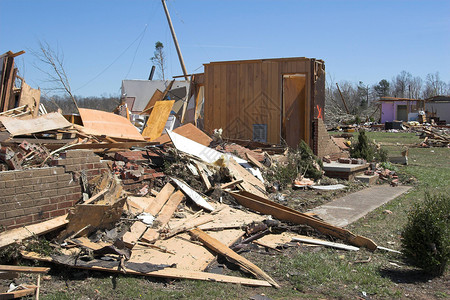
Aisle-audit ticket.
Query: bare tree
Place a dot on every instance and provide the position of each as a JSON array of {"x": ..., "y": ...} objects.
[
  {"x": 400, "y": 84},
  {"x": 434, "y": 86},
  {"x": 52, "y": 65},
  {"x": 159, "y": 59}
]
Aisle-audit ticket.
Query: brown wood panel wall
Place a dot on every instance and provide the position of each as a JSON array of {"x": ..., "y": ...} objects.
[{"x": 242, "y": 93}]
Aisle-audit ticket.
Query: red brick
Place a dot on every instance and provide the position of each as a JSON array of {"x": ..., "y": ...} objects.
[
  {"x": 57, "y": 213},
  {"x": 32, "y": 210},
  {"x": 49, "y": 207},
  {"x": 24, "y": 174},
  {"x": 57, "y": 171},
  {"x": 58, "y": 199},
  {"x": 7, "y": 222},
  {"x": 65, "y": 204},
  {"x": 8, "y": 175},
  {"x": 42, "y": 172},
  {"x": 14, "y": 213},
  {"x": 41, "y": 202},
  {"x": 24, "y": 220},
  {"x": 24, "y": 189},
  {"x": 89, "y": 166},
  {"x": 93, "y": 172},
  {"x": 74, "y": 196},
  {"x": 8, "y": 191},
  {"x": 65, "y": 191},
  {"x": 73, "y": 168},
  {"x": 24, "y": 204},
  {"x": 41, "y": 216},
  {"x": 49, "y": 193},
  {"x": 65, "y": 177},
  {"x": 92, "y": 159}
]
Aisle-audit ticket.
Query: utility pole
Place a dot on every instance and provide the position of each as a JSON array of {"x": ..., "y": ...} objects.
[{"x": 180, "y": 57}]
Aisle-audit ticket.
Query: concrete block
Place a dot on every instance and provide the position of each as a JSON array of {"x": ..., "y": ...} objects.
[{"x": 368, "y": 179}]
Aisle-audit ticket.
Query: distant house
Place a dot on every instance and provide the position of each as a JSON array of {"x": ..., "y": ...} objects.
[
  {"x": 438, "y": 107},
  {"x": 137, "y": 93},
  {"x": 400, "y": 109}
]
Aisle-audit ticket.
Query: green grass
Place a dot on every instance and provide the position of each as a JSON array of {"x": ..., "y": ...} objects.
[{"x": 312, "y": 273}]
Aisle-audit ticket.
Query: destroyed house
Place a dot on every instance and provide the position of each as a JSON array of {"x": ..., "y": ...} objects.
[
  {"x": 137, "y": 93},
  {"x": 400, "y": 109},
  {"x": 266, "y": 100}
]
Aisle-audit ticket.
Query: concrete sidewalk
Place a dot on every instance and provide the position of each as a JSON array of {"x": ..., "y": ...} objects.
[{"x": 351, "y": 207}]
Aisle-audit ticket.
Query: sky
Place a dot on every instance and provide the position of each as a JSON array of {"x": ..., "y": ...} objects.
[{"x": 106, "y": 41}]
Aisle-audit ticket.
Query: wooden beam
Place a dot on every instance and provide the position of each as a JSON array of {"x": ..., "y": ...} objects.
[
  {"x": 222, "y": 249},
  {"x": 17, "y": 235},
  {"x": 164, "y": 216},
  {"x": 24, "y": 269},
  {"x": 284, "y": 213},
  {"x": 165, "y": 273},
  {"x": 254, "y": 161}
]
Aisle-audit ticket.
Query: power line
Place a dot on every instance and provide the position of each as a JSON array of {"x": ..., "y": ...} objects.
[{"x": 121, "y": 54}]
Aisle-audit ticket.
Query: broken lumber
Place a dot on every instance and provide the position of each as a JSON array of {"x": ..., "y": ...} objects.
[
  {"x": 196, "y": 197},
  {"x": 165, "y": 273},
  {"x": 324, "y": 243},
  {"x": 23, "y": 269},
  {"x": 250, "y": 183},
  {"x": 285, "y": 213},
  {"x": 230, "y": 184},
  {"x": 164, "y": 216},
  {"x": 254, "y": 161},
  {"x": 18, "y": 234},
  {"x": 222, "y": 249}
]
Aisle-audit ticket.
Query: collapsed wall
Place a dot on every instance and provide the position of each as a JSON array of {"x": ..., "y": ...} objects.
[
  {"x": 324, "y": 145},
  {"x": 35, "y": 195}
]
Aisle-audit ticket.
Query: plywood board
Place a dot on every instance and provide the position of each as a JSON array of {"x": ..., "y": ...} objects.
[
  {"x": 30, "y": 97},
  {"x": 42, "y": 123},
  {"x": 98, "y": 122},
  {"x": 189, "y": 131},
  {"x": 157, "y": 119},
  {"x": 18, "y": 234},
  {"x": 188, "y": 255}
]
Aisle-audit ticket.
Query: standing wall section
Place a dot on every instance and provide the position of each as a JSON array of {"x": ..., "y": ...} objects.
[{"x": 239, "y": 94}]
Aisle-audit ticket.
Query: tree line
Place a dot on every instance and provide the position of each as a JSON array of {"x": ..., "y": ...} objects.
[
  {"x": 66, "y": 105},
  {"x": 359, "y": 97}
]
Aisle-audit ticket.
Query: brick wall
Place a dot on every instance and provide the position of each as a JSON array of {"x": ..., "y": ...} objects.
[
  {"x": 323, "y": 143},
  {"x": 35, "y": 195}
]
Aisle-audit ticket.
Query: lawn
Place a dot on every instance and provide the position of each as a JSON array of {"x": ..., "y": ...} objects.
[{"x": 304, "y": 272}]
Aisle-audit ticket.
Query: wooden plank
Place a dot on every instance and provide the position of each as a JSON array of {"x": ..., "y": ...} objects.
[
  {"x": 164, "y": 216},
  {"x": 157, "y": 119},
  {"x": 18, "y": 234},
  {"x": 131, "y": 237},
  {"x": 222, "y": 249},
  {"x": 284, "y": 213},
  {"x": 254, "y": 161},
  {"x": 24, "y": 269},
  {"x": 18, "y": 293},
  {"x": 230, "y": 184},
  {"x": 325, "y": 243},
  {"x": 174, "y": 273},
  {"x": 160, "y": 199},
  {"x": 203, "y": 175},
  {"x": 250, "y": 183},
  {"x": 189, "y": 224},
  {"x": 98, "y": 122},
  {"x": 46, "y": 122}
]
